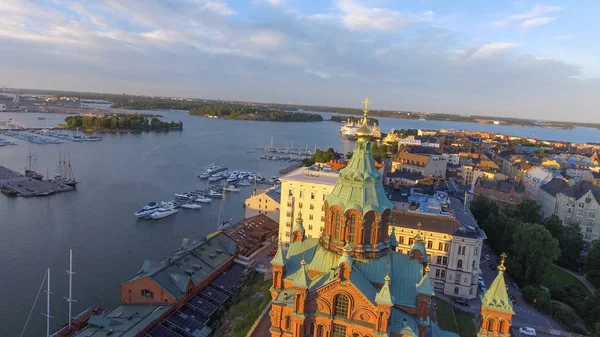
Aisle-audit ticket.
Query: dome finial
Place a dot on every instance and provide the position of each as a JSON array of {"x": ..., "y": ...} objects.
[
  {"x": 364, "y": 130},
  {"x": 502, "y": 267}
]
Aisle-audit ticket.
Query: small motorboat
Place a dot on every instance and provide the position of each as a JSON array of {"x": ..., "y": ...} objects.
[
  {"x": 203, "y": 199},
  {"x": 190, "y": 205},
  {"x": 231, "y": 188},
  {"x": 163, "y": 213},
  {"x": 147, "y": 210},
  {"x": 182, "y": 195},
  {"x": 244, "y": 183}
]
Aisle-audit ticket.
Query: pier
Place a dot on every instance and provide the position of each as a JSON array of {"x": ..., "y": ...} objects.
[{"x": 28, "y": 187}]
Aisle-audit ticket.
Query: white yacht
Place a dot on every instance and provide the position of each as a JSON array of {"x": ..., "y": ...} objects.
[
  {"x": 182, "y": 195},
  {"x": 163, "y": 213},
  {"x": 203, "y": 199},
  {"x": 231, "y": 188},
  {"x": 147, "y": 210},
  {"x": 218, "y": 177},
  {"x": 244, "y": 183},
  {"x": 215, "y": 194},
  {"x": 167, "y": 204},
  {"x": 190, "y": 205}
]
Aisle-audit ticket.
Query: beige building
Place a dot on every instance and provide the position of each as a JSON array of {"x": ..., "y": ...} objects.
[
  {"x": 581, "y": 203},
  {"x": 453, "y": 241},
  {"x": 426, "y": 165},
  {"x": 304, "y": 190},
  {"x": 264, "y": 202}
]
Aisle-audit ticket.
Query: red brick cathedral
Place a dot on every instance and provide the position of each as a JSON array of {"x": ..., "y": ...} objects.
[{"x": 351, "y": 282}]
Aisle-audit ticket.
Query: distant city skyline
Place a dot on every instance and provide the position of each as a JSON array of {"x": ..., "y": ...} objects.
[{"x": 535, "y": 60}]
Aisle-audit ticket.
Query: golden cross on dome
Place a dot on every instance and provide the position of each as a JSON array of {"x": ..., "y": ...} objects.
[
  {"x": 501, "y": 267},
  {"x": 420, "y": 226},
  {"x": 366, "y": 102}
]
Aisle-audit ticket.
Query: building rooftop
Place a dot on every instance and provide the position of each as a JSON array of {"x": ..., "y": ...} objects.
[
  {"x": 412, "y": 159},
  {"x": 193, "y": 262},
  {"x": 123, "y": 321},
  {"x": 274, "y": 193},
  {"x": 579, "y": 189},
  {"x": 313, "y": 174},
  {"x": 404, "y": 272},
  {"x": 249, "y": 233},
  {"x": 502, "y": 186},
  {"x": 554, "y": 186},
  {"x": 406, "y": 175}
]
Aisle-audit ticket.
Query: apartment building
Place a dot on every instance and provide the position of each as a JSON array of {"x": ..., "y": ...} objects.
[
  {"x": 581, "y": 203},
  {"x": 304, "y": 190},
  {"x": 453, "y": 241},
  {"x": 534, "y": 179},
  {"x": 264, "y": 202}
]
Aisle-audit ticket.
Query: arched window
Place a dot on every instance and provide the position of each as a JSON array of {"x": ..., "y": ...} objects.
[
  {"x": 288, "y": 322},
  {"x": 368, "y": 228},
  {"x": 459, "y": 264},
  {"x": 340, "y": 306},
  {"x": 335, "y": 223},
  {"x": 501, "y": 329},
  {"x": 320, "y": 331},
  {"x": 352, "y": 227},
  {"x": 490, "y": 326}
]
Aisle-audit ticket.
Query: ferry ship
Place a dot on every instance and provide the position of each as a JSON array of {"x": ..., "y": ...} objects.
[{"x": 348, "y": 130}]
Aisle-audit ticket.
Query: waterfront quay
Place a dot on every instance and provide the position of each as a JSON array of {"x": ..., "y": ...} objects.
[{"x": 28, "y": 187}]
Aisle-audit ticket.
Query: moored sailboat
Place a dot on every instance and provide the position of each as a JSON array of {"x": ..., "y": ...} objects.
[{"x": 65, "y": 175}]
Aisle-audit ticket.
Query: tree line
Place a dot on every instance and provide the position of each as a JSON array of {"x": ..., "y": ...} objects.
[
  {"x": 533, "y": 245},
  {"x": 353, "y": 119},
  {"x": 246, "y": 112},
  {"x": 123, "y": 122}
]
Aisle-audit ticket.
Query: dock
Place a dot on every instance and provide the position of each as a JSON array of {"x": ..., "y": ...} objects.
[
  {"x": 28, "y": 187},
  {"x": 290, "y": 168}
]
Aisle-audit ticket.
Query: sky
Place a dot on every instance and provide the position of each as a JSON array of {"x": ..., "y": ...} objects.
[{"x": 527, "y": 59}]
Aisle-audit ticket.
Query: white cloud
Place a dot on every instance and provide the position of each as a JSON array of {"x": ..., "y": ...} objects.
[
  {"x": 271, "y": 2},
  {"x": 544, "y": 20},
  {"x": 318, "y": 73},
  {"x": 536, "y": 12},
  {"x": 382, "y": 51},
  {"x": 268, "y": 39},
  {"x": 218, "y": 8},
  {"x": 358, "y": 17},
  {"x": 491, "y": 49}
]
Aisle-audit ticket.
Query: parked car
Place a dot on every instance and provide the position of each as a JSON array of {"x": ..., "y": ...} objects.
[
  {"x": 492, "y": 266},
  {"x": 273, "y": 252},
  {"x": 527, "y": 331},
  {"x": 513, "y": 299},
  {"x": 462, "y": 301},
  {"x": 487, "y": 257}
]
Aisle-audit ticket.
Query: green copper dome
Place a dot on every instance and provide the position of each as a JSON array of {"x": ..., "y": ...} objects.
[{"x": 360, "y": 184}]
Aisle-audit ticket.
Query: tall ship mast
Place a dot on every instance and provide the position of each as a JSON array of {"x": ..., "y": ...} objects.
[
  {"x": 65, "y": 175},
  {"x": 30, "y": 170}
]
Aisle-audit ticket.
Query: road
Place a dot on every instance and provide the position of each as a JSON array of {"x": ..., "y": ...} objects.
[{"x": 525, "y": 314}]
